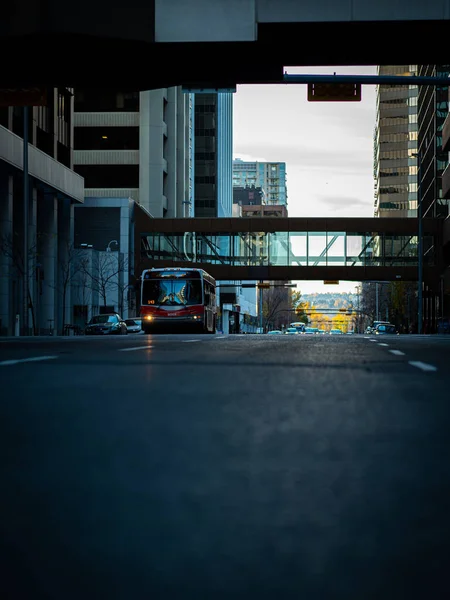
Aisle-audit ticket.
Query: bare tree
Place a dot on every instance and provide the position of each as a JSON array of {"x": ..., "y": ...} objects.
[
  {"x": 11, "y": 248},
  {"x": 104, "y": 276},
  {"x": 72, "y": 263},
  {"x": 123, "y": 287},
  {"x": 276, "y": 306}
]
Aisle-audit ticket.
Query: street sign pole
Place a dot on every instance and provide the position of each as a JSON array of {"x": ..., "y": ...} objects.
[{"x": 26, "y": 194}]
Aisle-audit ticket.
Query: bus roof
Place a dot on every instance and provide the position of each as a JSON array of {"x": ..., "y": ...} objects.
[{"x": 200, "y": 272}]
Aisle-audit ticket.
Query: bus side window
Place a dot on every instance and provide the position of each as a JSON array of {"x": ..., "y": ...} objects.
[{"x": 207, "y": 292}]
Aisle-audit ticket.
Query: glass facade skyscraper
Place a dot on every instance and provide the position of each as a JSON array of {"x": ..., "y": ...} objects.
[
  {"x": 395, "y": 163},
  {"x": 433, "y": 110},
  {"x": 213, "y": 163}
]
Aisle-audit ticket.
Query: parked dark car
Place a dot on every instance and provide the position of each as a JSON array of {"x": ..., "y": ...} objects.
[
  {"x": 109, "y": 324},
  {"x": 385, "y": 328}
]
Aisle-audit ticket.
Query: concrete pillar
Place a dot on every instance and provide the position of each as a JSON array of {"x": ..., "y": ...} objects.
[
  {"x": 152, "y": 138},
  {"x": 49, "y": 260},
  {"x": 125, "y": 260},
  {"x": 225, "y": 321},
  {"x": 182, "y": 151},
  {"x": 171, "y": 153},
  {"x": 6, "y": 233},
  {"x": 32, "y": 257},
  {"x": 65, "y": 264}
]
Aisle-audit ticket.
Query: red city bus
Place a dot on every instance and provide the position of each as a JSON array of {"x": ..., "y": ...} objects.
[{"x": 178, "y": 298}]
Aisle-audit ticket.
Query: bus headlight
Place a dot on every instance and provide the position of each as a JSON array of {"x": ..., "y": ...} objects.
[{"x": 148, "y": 318}]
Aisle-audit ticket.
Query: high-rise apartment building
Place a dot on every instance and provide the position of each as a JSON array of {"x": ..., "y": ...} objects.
[
  {"x": 395, "y": 147},
  {"x": 136, "y": 145},
  {"x": 33, "y": 295},
  {"x": 270, "y": 176}
]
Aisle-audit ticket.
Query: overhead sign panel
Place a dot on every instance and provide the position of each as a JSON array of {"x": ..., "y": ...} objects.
[
  {"x": 34, "y": 96},
  {"x": 334, "y": 92}
]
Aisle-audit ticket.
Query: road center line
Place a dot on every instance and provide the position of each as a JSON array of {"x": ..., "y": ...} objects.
[
  {"x": 4, "y": 363},
  {"x": 372, "y": 340},
  {"x": 397, "y": 352},
  {"x": 186, "y": 341},
  {"x": 135, "y": 348},
  {"x": 383, "y": 344},
  {"x": 423, "y": 366}
]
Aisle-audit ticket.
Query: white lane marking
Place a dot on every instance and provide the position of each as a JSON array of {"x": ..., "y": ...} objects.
[
  {"x": 397, "y": 352},
  {"x": 366, "y": 337},
  {"x": 135, "y": 348},
  {"x": 22, "y": 360},
  {"x": 186, "y": 341},
  {"x": 380, "y": 344},
  {"x": 221, "y": 337},
  {"x": 422, "y": 365},
  {"x": 372, "y": 340}
]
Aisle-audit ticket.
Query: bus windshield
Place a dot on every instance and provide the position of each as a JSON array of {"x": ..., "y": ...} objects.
[{"x": 169, "y": 292}]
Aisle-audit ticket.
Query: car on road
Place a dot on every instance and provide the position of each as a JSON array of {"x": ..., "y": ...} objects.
[
  {"x": 372, "y": 328},
  {"x": 385, "y": 328},
  {"x": 291, "y": 331},
  {"x": 107, "y": 324},
  {"x": 336, "y": 332},
  {"x": 134, "y": 325},
  {"x": 274, "y": 332},
  {"x": 311, "y": 330}
]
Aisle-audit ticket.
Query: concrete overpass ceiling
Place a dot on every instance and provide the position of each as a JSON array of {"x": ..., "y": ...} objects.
[{"x": 162, "y": 43}]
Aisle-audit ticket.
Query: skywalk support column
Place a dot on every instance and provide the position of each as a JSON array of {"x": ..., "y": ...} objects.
[
  {"x": 6, "y": 233},
  {"x": 49, "y": 260}
]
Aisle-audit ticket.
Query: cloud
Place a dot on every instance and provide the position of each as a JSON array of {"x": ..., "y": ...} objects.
[
  {"x": 345, "y": 201},
  {"x": 249, "y": 157},
  {"x": 325, "y": 159}
]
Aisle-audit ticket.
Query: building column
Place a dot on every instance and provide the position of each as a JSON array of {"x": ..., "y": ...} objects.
[
  {"x": 6, "y": 233},
  {"x": 65, "y": 264},
  {"x": 33, "y": 318},
  {"x": 182, "y": 151},
  {"x": 125, "y": 260},
  {"x": 152, "y": 138},
  {"x": 49, "y": 261},
  {"x": 171, "y": 153}
]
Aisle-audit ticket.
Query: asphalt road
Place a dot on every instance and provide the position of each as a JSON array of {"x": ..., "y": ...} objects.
[{"x": 225, "y": 467}]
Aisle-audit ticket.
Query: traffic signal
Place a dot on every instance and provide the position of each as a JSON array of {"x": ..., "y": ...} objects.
[{"x": 334, "y": 92}]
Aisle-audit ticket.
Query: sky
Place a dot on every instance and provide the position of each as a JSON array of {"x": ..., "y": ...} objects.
[{"x": 327, "y": 148}]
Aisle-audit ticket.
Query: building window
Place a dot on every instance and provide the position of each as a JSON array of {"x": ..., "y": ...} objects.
[
  {"x": 106, "y": 138},
  {"x": 95, "y": 100},
  {"x": 109, "y": 176}
]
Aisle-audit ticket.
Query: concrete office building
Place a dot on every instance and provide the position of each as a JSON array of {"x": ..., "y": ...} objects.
[
  {"x": 137, "y": 145},
  {"x": 270, "y": 176},
  {"x": 54, "y": 190},
  {"x": 395, "y": 146},
  {"x": 135, "y": 151}
]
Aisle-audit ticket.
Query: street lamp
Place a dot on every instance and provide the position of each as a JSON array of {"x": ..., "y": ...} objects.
[
  {"x": 419, "y": 244},
  {"x": 108, "y": 247}
]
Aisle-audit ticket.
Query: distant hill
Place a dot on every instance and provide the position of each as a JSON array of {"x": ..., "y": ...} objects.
[{"x": 331, "y": 300}]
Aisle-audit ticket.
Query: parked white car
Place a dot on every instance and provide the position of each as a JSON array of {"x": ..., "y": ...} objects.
[{"x": 134, "y": 325}]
